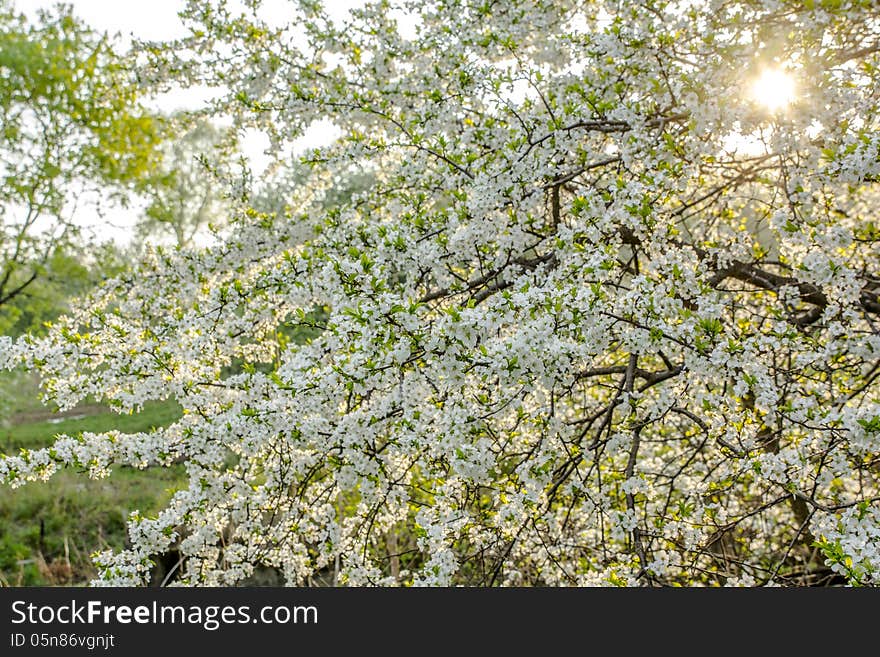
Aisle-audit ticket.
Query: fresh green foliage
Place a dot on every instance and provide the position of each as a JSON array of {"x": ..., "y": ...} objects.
[{"x": 71, "y": 125}]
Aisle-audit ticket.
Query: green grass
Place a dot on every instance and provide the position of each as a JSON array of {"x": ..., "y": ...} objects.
[
  {"x": 42, "y": 434},
  {"x": 20, "y": 391},
  {"x": 46, "y": 527}
]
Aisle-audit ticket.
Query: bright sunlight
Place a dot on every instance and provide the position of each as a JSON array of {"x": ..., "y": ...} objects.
[{"x": 774, "y": 89}]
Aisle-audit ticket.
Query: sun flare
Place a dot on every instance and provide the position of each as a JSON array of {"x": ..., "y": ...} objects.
[{"x": 774, "y": 89}]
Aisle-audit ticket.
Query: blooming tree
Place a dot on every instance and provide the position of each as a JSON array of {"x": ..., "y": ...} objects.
[{"x": 604, "y": 316}]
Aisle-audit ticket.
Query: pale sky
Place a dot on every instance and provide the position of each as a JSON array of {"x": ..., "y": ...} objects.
[
  {"x": 145, "y": 19},
  {"x": 158, "y": 20}
]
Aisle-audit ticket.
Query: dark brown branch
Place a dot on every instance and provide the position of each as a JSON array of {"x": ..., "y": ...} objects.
[
  {"x": 809, "y": 293},
  {"x": 750, "y": 273}
]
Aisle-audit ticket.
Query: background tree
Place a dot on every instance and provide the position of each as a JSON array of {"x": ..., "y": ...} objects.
[
  {"x": 71, "y": 125},
  {"x": 186, "y": 196},
  {"x": 605, "y": 316}
]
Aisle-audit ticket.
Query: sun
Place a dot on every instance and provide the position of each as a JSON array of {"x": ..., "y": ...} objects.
[{"x": 774, "y": 89}]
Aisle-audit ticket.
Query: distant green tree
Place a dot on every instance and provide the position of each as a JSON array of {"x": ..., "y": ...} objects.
[
  {"x": 70, "y": 271},
  {"x": 71, "y": 123}
]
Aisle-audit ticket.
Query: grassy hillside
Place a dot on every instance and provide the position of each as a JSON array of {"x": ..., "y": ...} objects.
[{"x": 48, "y": 530}]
